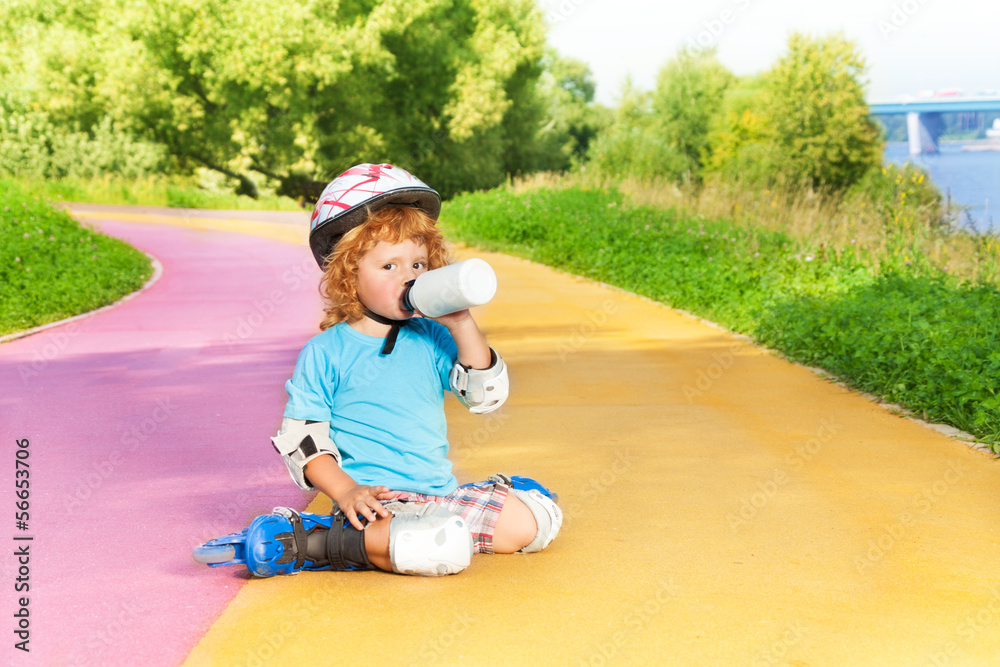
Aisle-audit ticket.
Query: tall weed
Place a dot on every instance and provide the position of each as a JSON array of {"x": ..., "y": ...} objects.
[{"x": 892, "y": 217}]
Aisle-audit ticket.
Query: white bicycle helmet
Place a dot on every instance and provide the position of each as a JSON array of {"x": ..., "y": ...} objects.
[{"x": 354, "y": 195}]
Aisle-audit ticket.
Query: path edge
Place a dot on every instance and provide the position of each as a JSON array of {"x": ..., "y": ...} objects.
[{"x": 153, "y": 279}]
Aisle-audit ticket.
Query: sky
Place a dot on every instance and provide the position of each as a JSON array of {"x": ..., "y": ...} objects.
[{"x": 909, "y": 45}]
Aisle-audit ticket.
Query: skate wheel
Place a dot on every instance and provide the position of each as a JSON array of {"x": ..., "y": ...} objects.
[{"x": 214, "y": 553}]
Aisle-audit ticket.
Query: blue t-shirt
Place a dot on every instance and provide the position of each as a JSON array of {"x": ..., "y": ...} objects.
[{"x": 386, "y": 412}]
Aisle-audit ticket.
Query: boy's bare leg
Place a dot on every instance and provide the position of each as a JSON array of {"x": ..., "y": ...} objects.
[
  {"x": 377, "y": 544},
  {"x": 515, "y": 528}
]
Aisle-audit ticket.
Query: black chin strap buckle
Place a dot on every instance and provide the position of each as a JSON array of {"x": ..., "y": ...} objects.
[{"x": 395, "y": 325}]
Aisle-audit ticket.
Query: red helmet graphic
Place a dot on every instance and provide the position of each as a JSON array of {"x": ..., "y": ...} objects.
[{"x": 351, "y": 197}]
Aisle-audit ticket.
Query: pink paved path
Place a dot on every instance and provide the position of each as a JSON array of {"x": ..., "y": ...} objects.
[{"x": 148, "y": 428}]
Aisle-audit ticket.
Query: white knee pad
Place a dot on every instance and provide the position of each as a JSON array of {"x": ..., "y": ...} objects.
[
  {"x": 428, "y": 540},
  {"x": 547, "y": 515}
]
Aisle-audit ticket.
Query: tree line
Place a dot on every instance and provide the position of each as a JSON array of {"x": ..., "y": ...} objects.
[
  {"x": 803, "y": 122},
  {"x": 464, "y": 93},
  {"x": 460, "y": 91}
]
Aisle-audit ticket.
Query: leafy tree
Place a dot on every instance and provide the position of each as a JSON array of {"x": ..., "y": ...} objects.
[
  {"x": 741, "y": 139},
  {"x": 818, "y": 111},
  {"x": 665, "y": 133},
  {"x": 688, "y": 95},
  {"x": 60, "y": 65},
  {"x": 633, "y": 144},
  {"x": 575, "y": 119},
  {"x": 803, "y": 121},
  {"x": 563, "y": 98},
  {"x": 293, "y": 91}
]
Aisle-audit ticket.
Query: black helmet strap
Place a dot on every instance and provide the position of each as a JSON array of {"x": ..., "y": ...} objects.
[{"x": 390, "y": 340}]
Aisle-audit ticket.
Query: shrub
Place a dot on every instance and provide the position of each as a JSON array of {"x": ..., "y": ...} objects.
[
  {"x": 31, "y": 146},
  {"x": 804, "y": 121},
  {"x": 904, "y": 198}
]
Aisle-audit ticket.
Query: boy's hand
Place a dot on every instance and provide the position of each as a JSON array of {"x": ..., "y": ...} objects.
[
  {"x": 353, "y": 499},
  {"x": 456, "y": 319},
  {"x": 363, "y": 500}
]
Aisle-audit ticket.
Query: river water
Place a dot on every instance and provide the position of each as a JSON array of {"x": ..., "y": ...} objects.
[{"x": 972, "y": 179}]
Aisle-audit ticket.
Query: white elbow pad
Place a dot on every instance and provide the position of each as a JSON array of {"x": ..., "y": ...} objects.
[
  {"x": 299, "y": 442},
  {"x": 481, "y": 391}
]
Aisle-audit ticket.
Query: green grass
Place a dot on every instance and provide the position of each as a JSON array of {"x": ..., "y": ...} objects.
[
  {"x": 900, "y": 328},
  {"x": 51, "y": 267},
  {"x": 923, "y": 341}
]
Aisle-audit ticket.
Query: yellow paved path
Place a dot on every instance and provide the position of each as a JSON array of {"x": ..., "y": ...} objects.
[{"x": 723, "y": 507}]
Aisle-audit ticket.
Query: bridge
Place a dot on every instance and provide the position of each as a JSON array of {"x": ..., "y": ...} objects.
[{"x": 923, "y": 115}]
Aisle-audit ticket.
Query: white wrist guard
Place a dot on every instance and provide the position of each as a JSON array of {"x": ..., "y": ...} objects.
[
  {"x": 481, "y": 391},
  {"x": 299, "y": 442}
]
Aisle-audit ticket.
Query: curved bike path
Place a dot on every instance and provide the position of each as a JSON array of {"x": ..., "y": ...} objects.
[
  {"x": 148, "y": 427},
  {"x": 722, "y": 506}
]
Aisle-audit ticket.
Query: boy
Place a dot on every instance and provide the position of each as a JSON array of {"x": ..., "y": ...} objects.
[{"x": 364, "y": 421}]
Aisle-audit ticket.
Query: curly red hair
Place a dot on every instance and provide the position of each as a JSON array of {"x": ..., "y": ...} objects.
[{"x": 392, "y": 224}]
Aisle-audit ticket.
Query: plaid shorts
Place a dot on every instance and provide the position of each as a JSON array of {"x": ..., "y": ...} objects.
[{"x": 478, "y": 505}]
